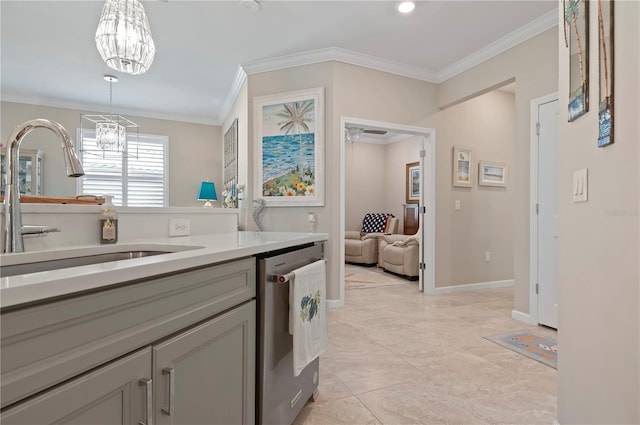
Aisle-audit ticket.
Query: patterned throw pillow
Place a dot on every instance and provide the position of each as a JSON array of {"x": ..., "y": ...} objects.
[{"x": 375, "y": 223}]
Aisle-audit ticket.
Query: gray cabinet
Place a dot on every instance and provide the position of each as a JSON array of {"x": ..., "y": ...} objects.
[
  {"x": 206, "y": 375},
  {"x": 185, "y": 340},
  {"x": 113, "y": 394}
]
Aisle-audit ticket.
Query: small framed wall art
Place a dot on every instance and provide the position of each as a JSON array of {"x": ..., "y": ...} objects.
[
  {"x": 412, "y": 183},
  {"x": 606, "y": 68},
  {"x": 576, "y": 27},
  {"x": 492, "y": 174},
  {"x": 462, "y": 166}
]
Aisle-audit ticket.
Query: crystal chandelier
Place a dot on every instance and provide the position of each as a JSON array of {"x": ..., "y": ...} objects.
[
  {"x": 124, "y": 38},
  {"x": 110, "y": 130},
  {"x": 110, "y": 136}
]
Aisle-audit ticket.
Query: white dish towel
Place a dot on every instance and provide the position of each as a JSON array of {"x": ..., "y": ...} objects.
[{"x": 308, "y": 314}]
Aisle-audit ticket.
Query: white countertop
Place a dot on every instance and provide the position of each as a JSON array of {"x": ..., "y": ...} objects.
[{"x": 193, "y": 251}]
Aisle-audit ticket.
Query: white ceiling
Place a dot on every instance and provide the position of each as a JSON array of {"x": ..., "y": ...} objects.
[{"x": 48, "y": 53}]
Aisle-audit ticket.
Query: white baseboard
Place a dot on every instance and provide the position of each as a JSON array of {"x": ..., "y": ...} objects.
[
  {"x": 522, "y": 317},
  {"x": 335, "y": 303},
  {"x": 474, "y": 286}
]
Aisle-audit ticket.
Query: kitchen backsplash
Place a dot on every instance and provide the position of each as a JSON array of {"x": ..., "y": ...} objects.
[{"x": 78, "y": 224}]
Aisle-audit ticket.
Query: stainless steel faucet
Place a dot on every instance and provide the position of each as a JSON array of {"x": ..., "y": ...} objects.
[{"x": 13, "y": 228}]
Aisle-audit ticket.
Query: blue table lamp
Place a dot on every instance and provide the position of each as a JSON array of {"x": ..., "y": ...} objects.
[{"x": 207, "y": 193}]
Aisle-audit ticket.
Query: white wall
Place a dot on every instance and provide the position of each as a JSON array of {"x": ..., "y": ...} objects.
[
  {"x": 365, "y": 188},
  {"x": 533, "y": 65},
  {"x": 398, "y": 155},
  {"x": 598, "y": 248},
  {"x": 194, "y": 150},
  {"x": 485, "y": 221},
  {"x": 239, "y": 110},
  {"x": 79, "y": 225},
  {"x": 375, "y": 179}
]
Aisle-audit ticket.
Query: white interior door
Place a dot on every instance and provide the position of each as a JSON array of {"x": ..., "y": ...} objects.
[
  {"x": 421, "y": 218},
  {"x": 547, "y": 214}
]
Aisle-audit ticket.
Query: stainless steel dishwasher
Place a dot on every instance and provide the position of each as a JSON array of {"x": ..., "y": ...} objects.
[{"x": 281, "y": 395}]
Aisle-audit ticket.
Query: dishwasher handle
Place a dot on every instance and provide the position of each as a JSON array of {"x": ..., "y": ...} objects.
[{"x": 284, "y": 278}]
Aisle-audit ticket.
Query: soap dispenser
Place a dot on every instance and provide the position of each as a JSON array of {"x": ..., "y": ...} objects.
[{"x": 108, "y": 221}]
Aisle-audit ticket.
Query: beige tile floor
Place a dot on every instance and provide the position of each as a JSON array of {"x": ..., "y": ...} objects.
[{"x": 398, "y": 356}]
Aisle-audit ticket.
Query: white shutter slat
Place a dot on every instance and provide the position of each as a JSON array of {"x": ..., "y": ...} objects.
[{"x": 144, "y": 176}]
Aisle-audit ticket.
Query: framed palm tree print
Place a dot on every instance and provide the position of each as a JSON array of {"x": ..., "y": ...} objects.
[{"x": 289, "y": 148}]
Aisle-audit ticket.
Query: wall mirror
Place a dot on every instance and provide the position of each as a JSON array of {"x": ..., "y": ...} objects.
[
  {"x": 230, "y": 163},
  {"x": 606, "y": 71},
  {"x": 576, "y": 16}
]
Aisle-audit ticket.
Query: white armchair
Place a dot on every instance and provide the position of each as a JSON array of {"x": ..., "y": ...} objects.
[
  {"x": 400, "y": 254},
  {"x": 364, "y": 249}
]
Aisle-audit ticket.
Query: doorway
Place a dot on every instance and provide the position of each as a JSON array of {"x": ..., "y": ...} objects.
[
  {"x": 426, "y": 146},
  {"x": 543, "y": 307}
]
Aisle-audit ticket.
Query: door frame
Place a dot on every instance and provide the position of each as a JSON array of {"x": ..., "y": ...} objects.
[
  {"x": 533, "y": 200},
  {"x": 428, "y": 144}
]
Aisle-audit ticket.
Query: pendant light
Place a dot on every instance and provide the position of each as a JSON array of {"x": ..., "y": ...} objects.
[
  {"x": 110, "y": 130},
  {"x": 110, "y": 134},
  {"x": 123, "y": 37}
]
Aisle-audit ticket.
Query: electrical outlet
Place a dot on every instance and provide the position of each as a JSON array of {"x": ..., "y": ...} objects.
[
  {"x": 487, "y": 256},
  {"x": 179, "y": 227}
]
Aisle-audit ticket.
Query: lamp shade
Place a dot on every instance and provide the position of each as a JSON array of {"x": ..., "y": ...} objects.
[{"x": 207, "y": 192}]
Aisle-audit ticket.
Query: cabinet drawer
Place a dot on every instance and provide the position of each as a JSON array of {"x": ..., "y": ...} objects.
[{"x": 47, "y": 344}]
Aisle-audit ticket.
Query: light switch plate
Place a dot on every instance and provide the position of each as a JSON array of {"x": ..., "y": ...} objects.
[
  {"x": 179, "y": 227},
  {"x": 457, "y": 205},
  {"x": 580, "y": 186}
]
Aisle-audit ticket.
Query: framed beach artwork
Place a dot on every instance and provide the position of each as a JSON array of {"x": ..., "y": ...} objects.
[
  {"x": 289, "y": 148},
  {"x": 462, "y": 167},
  {"x": 606, "y": 72},
  {"x": 492, "y": 174},
  {"x": 576, "y": 30},
  {"x": 412, "y": 183}
]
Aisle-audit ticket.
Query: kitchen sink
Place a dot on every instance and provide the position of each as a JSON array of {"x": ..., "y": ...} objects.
[{"x": 12, "y": 265}]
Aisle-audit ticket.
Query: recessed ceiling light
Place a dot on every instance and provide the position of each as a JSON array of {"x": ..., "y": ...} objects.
[{"x": 406, "y": 7}]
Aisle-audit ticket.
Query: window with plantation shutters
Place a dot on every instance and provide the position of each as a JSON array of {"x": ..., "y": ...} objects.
[{"x": 139, "y": 179}]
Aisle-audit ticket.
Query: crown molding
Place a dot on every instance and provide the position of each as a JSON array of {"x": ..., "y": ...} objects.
[
  {"x": 236, "y": 86},
  {"x": 81, "y": 107},
  {"x": 533, "y": 28},
  {"x": 340, "y": 55}
]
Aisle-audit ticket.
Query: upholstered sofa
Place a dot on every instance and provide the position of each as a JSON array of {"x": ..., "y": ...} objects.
[
  {"x": 400, "y": 254},
  {"x": 363, "y": 249}
]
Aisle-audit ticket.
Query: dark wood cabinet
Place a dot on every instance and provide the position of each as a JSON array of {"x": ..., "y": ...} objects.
[{"x": 411, "y": 219}]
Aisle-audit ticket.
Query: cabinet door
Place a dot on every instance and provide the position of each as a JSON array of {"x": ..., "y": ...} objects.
[
  {"x": 207, "y": 375},
  {"x": 411, "y": 219},
  {"x": 112, "y": 394},
  {"x": 29, "y": 176}
]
